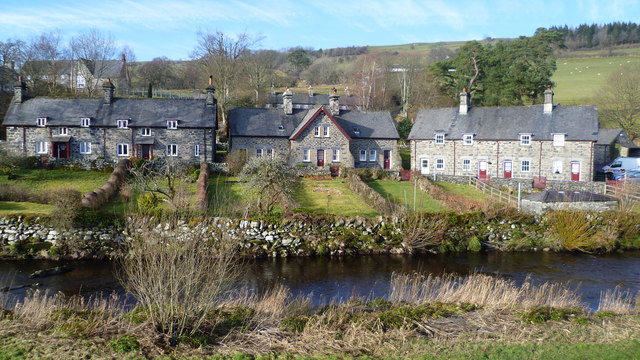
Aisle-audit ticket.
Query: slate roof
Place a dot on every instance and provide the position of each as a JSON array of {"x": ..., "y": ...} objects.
[
  {"x": 141, "y": 112},
  {"x": 607, "y": 136},
  {"x": 316, "y": 99},
  {"x": 266, "y": 122},
  {"x": 550, "y": 195},
  {"x": 507, "y": 123}
]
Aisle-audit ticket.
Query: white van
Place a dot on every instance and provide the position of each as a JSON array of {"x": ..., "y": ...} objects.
[{"x": 619, "y": 166}]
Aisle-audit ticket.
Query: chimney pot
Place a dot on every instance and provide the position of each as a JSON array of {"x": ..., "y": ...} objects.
[
  {"x": 464, "y": 102},
  {"x": 211, "y": 100},
  {"x": 548, "y": 100},
  {"x": 108, "y": 88},
  {"x": 19, "y": 91},
  {"x": 287, "y": 102},
  {"x": 334, "y": 102}
]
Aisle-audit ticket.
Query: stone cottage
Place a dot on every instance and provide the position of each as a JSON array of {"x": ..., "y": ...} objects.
[
  {"x": 549, "y": 141},
  {"x": 320, "y": 136},
  {"x": 111, "y": 128}
]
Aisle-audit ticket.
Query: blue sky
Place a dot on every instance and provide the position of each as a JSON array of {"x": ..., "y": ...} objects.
[{"x": 169, "y": 28}]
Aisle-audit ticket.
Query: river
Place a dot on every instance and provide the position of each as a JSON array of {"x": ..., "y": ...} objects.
[{"x": 327, "y": 278}]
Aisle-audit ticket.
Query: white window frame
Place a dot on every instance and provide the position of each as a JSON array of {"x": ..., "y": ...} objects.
[
  {"x": 556, "y": 166},
  {"x": 172, "y": 149},
  {"x": 269, "y": 152},
  {"x": 41, "y": 122},
  {"x": 145, "y": 132},
  {"x": 363, "y": 155},
  {"x": 196, "y": 150},
  {"x": 525, "y": 165},
  {"x": 259, "y": 152},
  {"x": 466, "y": 164},
  {"x": 85, "y": 122},
  {"x": 335, "y": 155},
  {"x": 85, "y": 147},
  {"x": 122, "y": 123},
  {"x": 316, "y": 131},
  {"x": 439, "y": 138},
  {"x": 63, "y": 131},
  {"x": 172, "y": 124},
  {"x": 439, "y": 163},
  {"x": 373, "y": 155},
  {"x": 306, "y": 155},
  {"x": 467, "y": 139},
  {"x": 325, "y": 131},
  {"x": 525, "y": 139},
  {"x": 42, "y": 147},
  {"x": 122, "y": 149},
  {"x": 558, "y": 139}
]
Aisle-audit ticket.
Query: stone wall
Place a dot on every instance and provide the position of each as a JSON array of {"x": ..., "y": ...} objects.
[{"x": 536, "y": 207}]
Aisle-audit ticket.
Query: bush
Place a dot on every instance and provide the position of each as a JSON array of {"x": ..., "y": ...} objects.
[
  {"x": 66, "y": 207},
  {"x": 125, "y": 344},
  {"x": 147, "y": 203},
  {"x": 236, "y": 160}
]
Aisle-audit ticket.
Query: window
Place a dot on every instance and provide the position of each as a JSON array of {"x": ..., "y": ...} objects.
[
  {"x": 270, "y": 152},
  {"x": 259, "y": 152},
  {"x": 525, "y": 139},
  {"x": 172, "y": 150},
  {"x": 172, "y": 124},
  {"x": 558, "y": 139},
  {"x": 325, "y": 132},
  {"x": 85, "y": 147},
  {"x": 196, "y": 150},
  {"x": 122, "y": 124},
  {"x": 42, "y": 122},
  {"x": 557, "y": 167},
  {"x": 466, "y": 164},
  {"x": 63, "y": 131},
  {"x": 41, "y": 147},
  {"x": 372, "y": 155},
  {"x": 363, "y": 155},
  {"x": 336, "y": 155},
  {"x": 525, "y": 165},
  {"x": 122, "y": 149},
  {"x": 439, "y": 138},
  {"x": 306, "y": 155},
  {"x": 440, "y": 164},
  {"x": 316, "y": 131},
  {"x": 85, "y": 122},
  {"x": 146, "y": 131},
  {"x": 467, "y": 139}
]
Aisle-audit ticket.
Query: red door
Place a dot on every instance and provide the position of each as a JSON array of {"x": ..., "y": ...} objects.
[
  {"x": 575, "y": 171},
  {"x": 387, "y": 159},
  {"x": 482, "y": 170},
  {"x": 61, "y": 150},
  {"x": 320, "y": 158},
  {"x": 508, "y": 169},
  {"x": 145, "y": 151}
]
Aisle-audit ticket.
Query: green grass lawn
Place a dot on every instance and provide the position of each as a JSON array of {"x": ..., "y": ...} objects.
[
  {"x": 467, "y": 191},
  {"x": 316, "y": 196},
  {"x": 12, "y": 207},
  {"x": 225, "y": 193},
  {"x": 48, "y": 180},
  {"x": 401, "y": 192}
]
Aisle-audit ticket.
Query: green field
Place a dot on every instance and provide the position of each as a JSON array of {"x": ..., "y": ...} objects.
[
  {"x": 402, "y": 192},
  {"x": 11, "y": 207},
  {"x": 333, "y": 197},
  {"x": 49, "y": 180},
  {"x": 467, "y": 191}
]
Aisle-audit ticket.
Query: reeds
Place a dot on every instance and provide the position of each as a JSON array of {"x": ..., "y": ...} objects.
[{"x": 618, "y": 301}]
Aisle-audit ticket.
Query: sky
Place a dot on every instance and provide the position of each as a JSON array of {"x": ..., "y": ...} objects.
[{"x": 153, "y": 28}]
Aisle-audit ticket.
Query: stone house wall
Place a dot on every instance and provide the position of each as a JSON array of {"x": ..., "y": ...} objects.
[
  {"x": 379, "y": 145},
  {"x": 537, "y": 208},
  {"x": 540, "y": 155},
  {"x": 279, "y": 145},
  {"x": 308, "y": 141}
]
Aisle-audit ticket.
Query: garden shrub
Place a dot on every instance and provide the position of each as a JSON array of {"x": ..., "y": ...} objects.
[
  {"x": 66, "y": 207},
  {"x": 125, "y": 344},
  {"x": 236, "y": 160}
]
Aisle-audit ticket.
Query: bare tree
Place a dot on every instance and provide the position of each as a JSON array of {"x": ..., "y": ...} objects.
[
  {"x": 163, "y": 179},
  {"x": 43, "y": 62},
  {"x": 12, "y": 52},
  {"x": 619, "y": 104},
  {"x": 158, "y": 72},
  {"x": 91, "y": 52},
  {"x": 260, "y": 66},
  {"x": 221, "y": 55}
]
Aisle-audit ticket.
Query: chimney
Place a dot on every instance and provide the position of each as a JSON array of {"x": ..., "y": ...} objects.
[
  {"x": 287, "y": 102},
  {"x": 548, "y": 100},
  {"x": 107, "y": 88},
  {"x": 310, "y": 91},
  {"x": 211, "y": 100},
  {"x": 19, "y": 91},
  {"x": 334, "y": 103},
  {"x": 464, "y": 102}
]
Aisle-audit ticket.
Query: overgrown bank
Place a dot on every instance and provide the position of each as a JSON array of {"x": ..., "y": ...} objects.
[{"x": 308, "y": 235}]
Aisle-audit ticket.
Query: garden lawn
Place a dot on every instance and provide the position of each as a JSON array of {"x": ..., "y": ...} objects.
[
  {"x": 467, "y": 191},
  {"x": 401, "y": 192},
  {"x": 225, "y": 193},
  {"x": 49, "y": 180},
  {"x": 12, "y": 207},
  {"x": 316, "y": 196}
]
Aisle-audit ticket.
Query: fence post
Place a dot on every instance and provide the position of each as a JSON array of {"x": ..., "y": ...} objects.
[{"x": 519, "y": 195}]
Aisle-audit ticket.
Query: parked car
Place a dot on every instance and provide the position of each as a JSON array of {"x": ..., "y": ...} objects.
[{"x": 618, "y": 167}]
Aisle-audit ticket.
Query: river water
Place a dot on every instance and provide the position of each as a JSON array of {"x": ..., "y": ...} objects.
[{"x": 327, "y": 278}]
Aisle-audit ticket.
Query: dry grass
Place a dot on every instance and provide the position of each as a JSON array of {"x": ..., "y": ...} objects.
[{"x": 618, "y": 302}]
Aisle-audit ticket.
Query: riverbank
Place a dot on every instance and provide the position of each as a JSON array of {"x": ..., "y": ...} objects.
[
  {"x": 423, "y": 317},
  {"x": 316, "y": 235}
]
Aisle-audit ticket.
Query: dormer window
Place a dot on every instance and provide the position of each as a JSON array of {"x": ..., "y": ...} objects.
[
  {"x": 122, "y": 124},
  {"x": 525, "y": 139},
  {"x": 146, "y": 132},
  {"x": 467, "y": 139},
  {"x": 558, "y": 139},
  {"x": 439, "y": 139},
  {"x": 41, "y": 122},
  {"x": 356, "y": 131},
  {"x": 85, "y": 122},
  {"x": 63, "y": 131},
  {"x": 280, "y": 127},
  {"x": 172, "y": 124}
]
